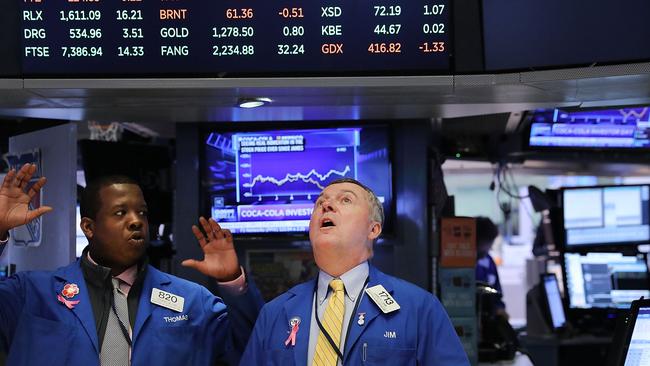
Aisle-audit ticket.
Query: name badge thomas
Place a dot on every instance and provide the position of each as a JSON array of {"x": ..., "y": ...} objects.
[{"x": 167, "y": 300}]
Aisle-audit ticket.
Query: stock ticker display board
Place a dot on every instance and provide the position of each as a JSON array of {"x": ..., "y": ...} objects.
[{"x": 233, "y": 37}]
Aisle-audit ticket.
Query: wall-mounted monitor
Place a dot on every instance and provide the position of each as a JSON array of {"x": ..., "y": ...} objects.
[
  {"x": 266, "y": 181},
  {"x": 604, "y": 280},
  {"x": 605, "y": 215},
  {"x": 558, "y": 33},
  {"x": 600, "y": 129}
]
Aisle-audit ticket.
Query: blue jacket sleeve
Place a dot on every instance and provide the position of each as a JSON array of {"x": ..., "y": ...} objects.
[
  {"x": 12, "y": 300},
  {"x": 253, "y": 355},
  {"x": 438, "y": 343},
  {"x": 497, "y": 284},
  {"x": 243, "y": 310}
]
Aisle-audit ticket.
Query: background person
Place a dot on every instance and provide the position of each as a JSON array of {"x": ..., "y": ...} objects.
[{"x": 486, "y": 268}]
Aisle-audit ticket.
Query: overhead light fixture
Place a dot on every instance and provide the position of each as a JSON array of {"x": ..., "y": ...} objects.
[{"x": 252, "y": 102}]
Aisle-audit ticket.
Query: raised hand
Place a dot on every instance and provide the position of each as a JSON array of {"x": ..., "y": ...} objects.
[
  {"x": 14, "y": 201},
  {"x": 220, "y": 259}
]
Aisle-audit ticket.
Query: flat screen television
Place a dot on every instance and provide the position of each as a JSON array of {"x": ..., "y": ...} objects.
[
  {"x": 593, "y": 129},
  {"x": 266, "y": 181},
  {"x": 604, "y": 280},
  {"x": 605, "y": 215}
]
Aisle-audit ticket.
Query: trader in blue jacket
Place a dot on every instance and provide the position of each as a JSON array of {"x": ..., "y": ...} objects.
[
  {"x": 352, "y": 314},
  {"x": 110, "y": 307}
]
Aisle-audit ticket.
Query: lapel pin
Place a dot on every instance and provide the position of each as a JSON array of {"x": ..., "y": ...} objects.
[
  {"x": 362, "y": 319},
  {"x": 69, "y": 291},
  {"x": 294, "y": 324}
]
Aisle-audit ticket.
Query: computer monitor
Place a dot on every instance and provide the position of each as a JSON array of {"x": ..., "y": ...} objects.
[
  {"x": 554, "y": 304},
  {"x": 604, "y": 280},
  {"x": 590, "y": 129},
  {"x": 636, "y": 346},
  {"x": 605, "y": 215},
  {"x": 265, "y": 182}
]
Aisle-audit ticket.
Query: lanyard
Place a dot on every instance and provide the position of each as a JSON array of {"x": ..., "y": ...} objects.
[{"x": 320, "y": 325}]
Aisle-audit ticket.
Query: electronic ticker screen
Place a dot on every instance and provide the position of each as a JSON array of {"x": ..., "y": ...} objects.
[
  {"x": 233, "y": 37},
  {"x": 268, "y": 181},
  {"x": 623, "y": 128}
]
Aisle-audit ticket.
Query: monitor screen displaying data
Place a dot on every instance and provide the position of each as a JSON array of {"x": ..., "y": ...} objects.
[
  {"x": 233, "y": 37},
  {"x": 638, "y": 350},
  {"x": 606, "y": 215},
  {"x": 554, "y": 301},
  {"x": 605, "y": 280},
  {"x": 623, "y": 128},
  {"x": 267, "y": 181}
]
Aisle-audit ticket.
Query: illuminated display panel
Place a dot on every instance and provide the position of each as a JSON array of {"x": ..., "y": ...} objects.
[
  {"x": 624, "y": 128},
  {"x": 606, "y": 215},
  {"x": 258, "y": 182},
  {"x": 233, "y": 37},
  {"x": 604, "y": 280}
]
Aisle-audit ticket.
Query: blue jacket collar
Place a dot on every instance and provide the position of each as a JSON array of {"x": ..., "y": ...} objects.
[
  {"x": 72, "y": 274},
  {"x": 154, "y": 278}
]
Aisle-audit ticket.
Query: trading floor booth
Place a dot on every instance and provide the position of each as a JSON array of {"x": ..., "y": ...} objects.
[{"x": 603, "y": 272}]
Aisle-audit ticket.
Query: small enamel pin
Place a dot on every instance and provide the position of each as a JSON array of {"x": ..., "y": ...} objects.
[
  {"x": 294, "y": 324},
  {"x": 362, "y": 319},
  {"x": 69, "y": 291}
]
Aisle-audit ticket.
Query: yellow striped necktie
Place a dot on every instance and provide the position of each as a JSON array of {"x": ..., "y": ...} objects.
[{"x": 325, "y": 355}]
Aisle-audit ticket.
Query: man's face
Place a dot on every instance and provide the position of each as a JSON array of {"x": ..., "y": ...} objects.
[
  {"x": 341, "y": 225},
  {"x": 120, "y": 231}
]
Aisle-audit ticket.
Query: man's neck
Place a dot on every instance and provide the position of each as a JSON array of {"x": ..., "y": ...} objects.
[
  {"x": 115, "y": 270},
  {"x": 337, "y": 266}
]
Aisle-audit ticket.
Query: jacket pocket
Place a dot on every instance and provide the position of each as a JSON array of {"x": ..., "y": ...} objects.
[
  {"x": 375, "y": 354},
  {"x": 40, "y": 341},
  {"x": 278, "y": 357},
  {"x": 175, "y": 346}
]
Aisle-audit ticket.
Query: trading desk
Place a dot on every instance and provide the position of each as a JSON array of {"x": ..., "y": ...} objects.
[
  {"x": 519, "y": 360},
  {"x": 556, "y": 351}
]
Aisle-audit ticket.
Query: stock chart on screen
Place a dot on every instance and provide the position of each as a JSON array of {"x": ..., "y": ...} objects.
[{"x": 268, "y": 181}]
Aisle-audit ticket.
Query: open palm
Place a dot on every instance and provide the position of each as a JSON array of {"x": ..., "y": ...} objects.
[
  {"x": 219, "y": 256},
  {"x": 14, "y": 201}
]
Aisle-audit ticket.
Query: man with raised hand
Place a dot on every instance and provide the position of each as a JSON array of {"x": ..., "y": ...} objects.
[{"x": 111, "y": 307}]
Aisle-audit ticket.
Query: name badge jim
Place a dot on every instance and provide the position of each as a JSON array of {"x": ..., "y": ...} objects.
[
  {"x": 167, "y": 300},
  {"x": 382, "y": 298}
]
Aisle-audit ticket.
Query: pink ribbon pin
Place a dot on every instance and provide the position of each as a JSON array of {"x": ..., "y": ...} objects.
[
  {"x": 69, "y": 290},
  {"x": 70, "y": 304},
  {"x": 292, "y": 336},
  {"x": 293, "y": 323}
]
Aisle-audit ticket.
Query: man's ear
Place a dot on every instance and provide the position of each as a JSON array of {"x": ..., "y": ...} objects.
[
  {"x": 375, "y": 230},
  {"x": 87, "y": 225}
]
